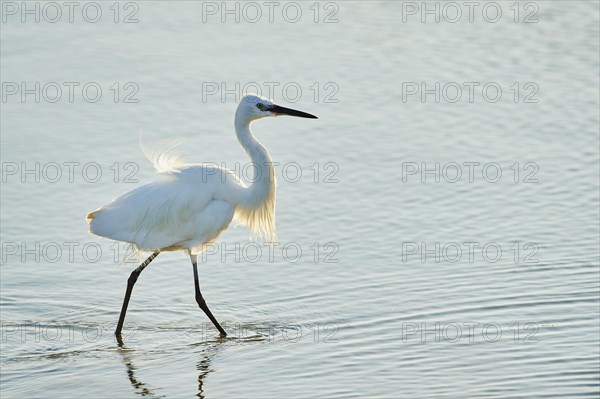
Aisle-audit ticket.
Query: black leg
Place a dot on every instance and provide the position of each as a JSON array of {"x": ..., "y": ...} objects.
[
  {"x": 202, "y": 302},
  {"x": 130, "y": 283}
]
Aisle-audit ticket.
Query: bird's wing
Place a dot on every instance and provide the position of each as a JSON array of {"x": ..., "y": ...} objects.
[{"x": 178, "y": 209}]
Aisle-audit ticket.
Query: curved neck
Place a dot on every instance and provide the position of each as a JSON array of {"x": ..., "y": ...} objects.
[{"x": 263, "y": 183}]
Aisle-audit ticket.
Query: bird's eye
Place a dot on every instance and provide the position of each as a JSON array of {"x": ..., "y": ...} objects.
[{"x": 260, "y": 106}]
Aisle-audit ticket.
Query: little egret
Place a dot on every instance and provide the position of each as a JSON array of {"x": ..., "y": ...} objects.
[{"x": 188, "y": 206}]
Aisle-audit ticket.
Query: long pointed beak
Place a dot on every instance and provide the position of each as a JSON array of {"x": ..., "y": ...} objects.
[{"x": 276, "y": 109}]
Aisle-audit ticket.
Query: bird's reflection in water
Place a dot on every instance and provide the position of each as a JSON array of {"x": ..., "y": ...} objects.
[
  {"x": 210, "y": 349},
  {"x": 207, "y": 352},
  {"x": 206, "y": 349},
  {"x": 139, "y": 387}
]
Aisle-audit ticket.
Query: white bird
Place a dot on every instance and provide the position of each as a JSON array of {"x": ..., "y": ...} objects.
[{"x": 188, "y": 206}]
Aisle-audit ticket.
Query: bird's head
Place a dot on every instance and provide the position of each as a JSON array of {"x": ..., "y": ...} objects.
[{"x": 254, "y": 107}]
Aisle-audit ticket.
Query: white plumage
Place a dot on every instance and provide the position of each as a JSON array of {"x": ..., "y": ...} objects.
[
  {"x": 184, "y": 208},
  {"x": 188, "y": 206}
]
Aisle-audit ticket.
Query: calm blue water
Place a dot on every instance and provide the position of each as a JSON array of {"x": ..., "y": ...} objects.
[{"x": 438, "y": 224}]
